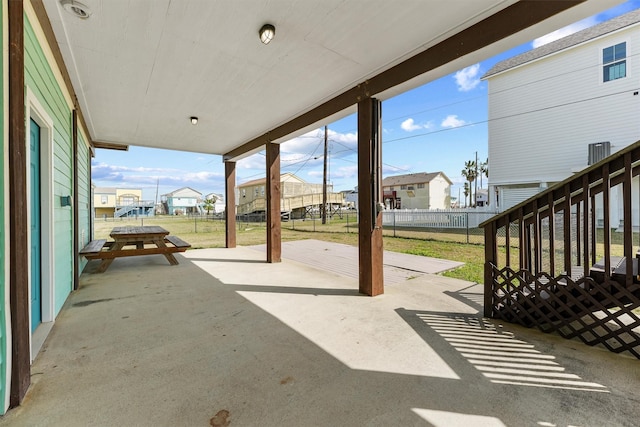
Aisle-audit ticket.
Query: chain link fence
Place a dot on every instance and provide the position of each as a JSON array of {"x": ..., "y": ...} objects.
[{"x": 460, "y": 226}]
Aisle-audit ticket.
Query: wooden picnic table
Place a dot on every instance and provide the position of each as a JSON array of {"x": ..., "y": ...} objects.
[{"x": 148, "y": 240}]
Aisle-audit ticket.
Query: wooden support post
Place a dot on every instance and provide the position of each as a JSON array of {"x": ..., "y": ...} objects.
[
  {"x": 552, "y": 235},
  {"x": 606, "y": 187},
  {"x": 230, "y": 204},
  {"x": 76, "y": 233},
  {"x": 490, "y": 259},
  {"x": 18, "y": 226},
  {"x": 274, "y": 229},
  {"x": 566, "y": 227},
  {"x": 370, "y": 197},
  {"x": 627, "y": 218}
]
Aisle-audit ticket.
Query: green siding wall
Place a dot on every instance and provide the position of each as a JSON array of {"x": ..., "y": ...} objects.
[
  {"x": 3, "y": 226},
  {"x": 84, "y": 194},
  {"x": 39, "y": 78}
]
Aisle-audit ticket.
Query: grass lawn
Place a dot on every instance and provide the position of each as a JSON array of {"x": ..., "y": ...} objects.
[{"x": 211, "y": 234}]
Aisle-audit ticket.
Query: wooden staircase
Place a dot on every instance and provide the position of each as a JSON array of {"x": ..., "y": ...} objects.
[{"x": 552, "y": 263}]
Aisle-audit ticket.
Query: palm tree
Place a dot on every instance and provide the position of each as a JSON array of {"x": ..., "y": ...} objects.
[
  {"x": 469, "y": 172},
  {"x": 466, "y": 190},
  {"x": 484, "y": 170},
  {"x": 209, "y": 204}
]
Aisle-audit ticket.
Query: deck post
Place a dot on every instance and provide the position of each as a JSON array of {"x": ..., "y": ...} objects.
[
  {"x": 370, "y": 197},
  {"x": 230, "y": 204},
  {"x": 490, "y": 259},
  {"x": 274, "y": 227},
  {"x": 18, "y": 226}
]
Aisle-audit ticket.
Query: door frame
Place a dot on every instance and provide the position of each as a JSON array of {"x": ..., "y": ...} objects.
[{"x": 36, "y": 112}]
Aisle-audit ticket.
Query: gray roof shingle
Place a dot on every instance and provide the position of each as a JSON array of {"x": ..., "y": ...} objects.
[
  {"x": 574, "y": 39},
  {"x": 412, "y": 178}
]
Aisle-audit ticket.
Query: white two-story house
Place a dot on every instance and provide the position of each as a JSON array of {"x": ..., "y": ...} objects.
[
  {"x": 417, "y": 191},
  {"x": 558, "y": 108}
]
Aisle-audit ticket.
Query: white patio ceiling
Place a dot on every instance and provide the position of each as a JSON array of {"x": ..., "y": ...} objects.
[{"x": 141, "y": 68}]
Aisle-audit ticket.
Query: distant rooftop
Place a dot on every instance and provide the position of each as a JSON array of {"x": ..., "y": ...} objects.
[
  {"x": 412, "y": 178},
  {"x": 574, "y": 39}
]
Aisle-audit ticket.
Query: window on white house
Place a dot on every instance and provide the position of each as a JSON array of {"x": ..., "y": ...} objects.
[
  {"x": 420, "y": 185},
  {"x": 614, "y": 62},
  {"x": 410, "y": 188},
  {"x": 262, "y": 190},
  {"x": 104, "y": 200},
  {"x": 403, "y": 187}
]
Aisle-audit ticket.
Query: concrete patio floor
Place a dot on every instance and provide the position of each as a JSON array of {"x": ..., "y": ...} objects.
[{"x": 227, "y": 339}]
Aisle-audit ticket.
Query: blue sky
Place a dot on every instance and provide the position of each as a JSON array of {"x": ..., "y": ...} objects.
[{"x": 435, "y": 127}]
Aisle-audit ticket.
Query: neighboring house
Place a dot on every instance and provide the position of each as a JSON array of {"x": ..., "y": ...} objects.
[
  {"x": 351, "y": 198},
  {"x": 298, "y": 197},
  {"x": 120, "y": 202},
  {"x": 218, "y": 205},
  {"x": 561, "y": 107},
  {"x": 417, "y": 191},
  {"x": 45, "y": 190},
  {"x": 183, "y": 201}
]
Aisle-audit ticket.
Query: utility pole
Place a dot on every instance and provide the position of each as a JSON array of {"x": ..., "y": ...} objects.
[
  {"x": 324, "y": 180},
  {"x": 475, "y": 182}
]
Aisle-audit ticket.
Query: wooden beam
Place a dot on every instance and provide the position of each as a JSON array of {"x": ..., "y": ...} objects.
[
  {"x": 76, "y": 216},
  {"x": 230, "y": 204},
  {"x": 110, "y": 146},
  {"x": 496, "y": 27},
  {"x": 18, "y": 225},
  {"x": 371, "y": 276},
  {"x": 274, "y": 228},
  {"x": 490, "y": 259}
]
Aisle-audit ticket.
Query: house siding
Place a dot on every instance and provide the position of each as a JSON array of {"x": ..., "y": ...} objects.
[
  {"x": 439, "y": 193},
  {"x": 41, "y": 80},
  {"x": 84, "y": 196},
  {"x": 544, "y": 114},
  {"x": 4, "y": 242}
]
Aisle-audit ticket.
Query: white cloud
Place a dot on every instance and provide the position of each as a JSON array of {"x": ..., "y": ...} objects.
[
  {"x": 452, "y": 121},
  {"x": 409, "y": 125},
  {"x": 468, "y": 78},
  {"x": 563, "y": 32}
]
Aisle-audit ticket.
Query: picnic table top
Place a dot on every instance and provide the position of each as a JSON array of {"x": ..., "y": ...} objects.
[{"x": 129, "y": 231}]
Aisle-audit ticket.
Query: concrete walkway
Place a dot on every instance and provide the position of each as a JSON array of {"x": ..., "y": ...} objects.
[
  {"x": 225, "y": 339},
  {"x": 343, "y": 259}
]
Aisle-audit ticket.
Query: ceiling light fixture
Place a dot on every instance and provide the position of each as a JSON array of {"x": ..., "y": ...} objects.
[
  {"x": 194, "y": 120},
  {"x": 266, "y": 33},
  {"x": 76, "y": 8}
]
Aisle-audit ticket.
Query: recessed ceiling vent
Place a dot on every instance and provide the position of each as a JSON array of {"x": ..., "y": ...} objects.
[{"x": 76, "y": 8}]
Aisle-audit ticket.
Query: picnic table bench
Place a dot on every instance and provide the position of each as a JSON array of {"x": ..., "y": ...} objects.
[{"x": 148, "y": 240}]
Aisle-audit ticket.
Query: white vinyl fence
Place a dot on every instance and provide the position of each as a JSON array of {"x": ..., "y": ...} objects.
[{"x": 424, "y": 218}]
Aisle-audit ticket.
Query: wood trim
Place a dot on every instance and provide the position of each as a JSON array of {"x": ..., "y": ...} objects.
[
  {"x": 371, "y": 278},
  {"x": 110, "y": 146},
  {"x": 76, "y": 202},
  {"x": 230, "y": 204},
  {"x": 18, "y": 225},
  {"x": 490, "y": 259},
  {"x": 502, "y": 24},
  {"x": 274, "y": 227},
  {"x": 628, "y": 219}
]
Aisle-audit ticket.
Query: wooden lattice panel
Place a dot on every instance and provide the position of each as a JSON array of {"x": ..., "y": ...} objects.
[{"x": 606, "y": 314}]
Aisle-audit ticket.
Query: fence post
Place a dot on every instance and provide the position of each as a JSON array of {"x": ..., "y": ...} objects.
[
  {"x": 347, "y": 222},
  {"x": 467, "y": 224},
  {"x": 394, "y": 223}
]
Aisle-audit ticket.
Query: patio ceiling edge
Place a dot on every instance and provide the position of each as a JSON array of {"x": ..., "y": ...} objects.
[{"x": 503, "y": 24}]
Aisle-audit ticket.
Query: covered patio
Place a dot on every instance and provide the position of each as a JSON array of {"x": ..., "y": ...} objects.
[
  {"x": 225, "y": 338},
  {"x": 269, "y": 342}
]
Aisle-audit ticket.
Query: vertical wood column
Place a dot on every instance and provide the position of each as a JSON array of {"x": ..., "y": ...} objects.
[
  {"x": 18, "y": 226},
  {"x": 230, "y": 204},
  {"x": 76, "y": 233},
  {"x": 490, "y": 259},
  {"x": 274, "y": 230},
  {"x": 369, "y": 197}
]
